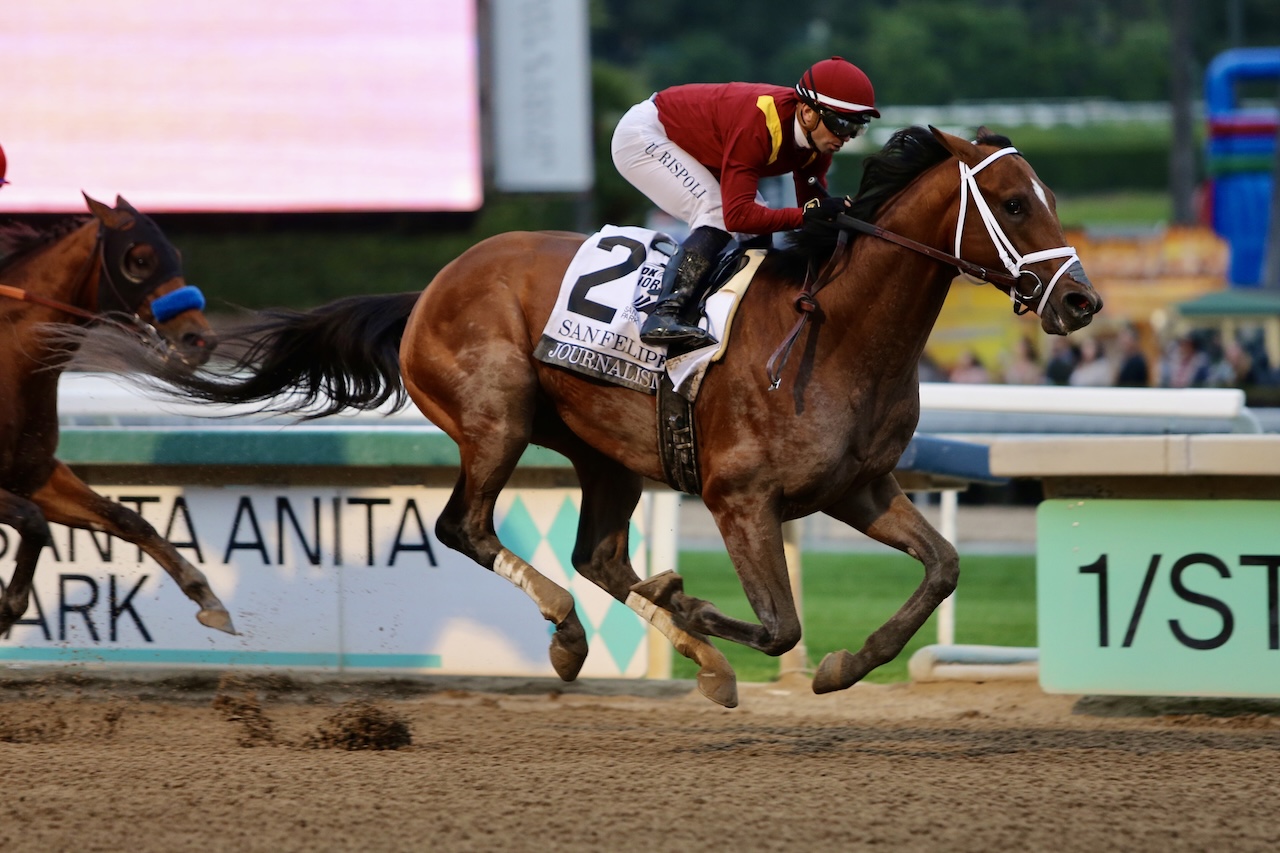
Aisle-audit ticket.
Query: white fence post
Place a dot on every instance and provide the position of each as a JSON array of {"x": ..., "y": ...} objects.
[
  {"x": 948, "y": 504},
  {"x": 664, "y": 555}
]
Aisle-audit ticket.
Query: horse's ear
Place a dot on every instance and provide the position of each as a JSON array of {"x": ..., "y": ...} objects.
[
  {"x": 964, "y": 150},
  {"x": 121, "y": 204},
  {"x": 114, "y": 219}
]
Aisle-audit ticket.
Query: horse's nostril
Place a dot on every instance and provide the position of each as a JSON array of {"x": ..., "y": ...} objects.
[
  {"x": 1081, "y": 303},
  {"x": 199, "y": 341}
]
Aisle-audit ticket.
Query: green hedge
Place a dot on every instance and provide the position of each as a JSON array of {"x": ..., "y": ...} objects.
[
  {"x": 1106, "y": 167},
  {"x": 1078, "y": 160}
]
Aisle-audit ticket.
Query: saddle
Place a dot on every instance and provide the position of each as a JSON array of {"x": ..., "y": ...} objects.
[{"x": 594, "y": 330}]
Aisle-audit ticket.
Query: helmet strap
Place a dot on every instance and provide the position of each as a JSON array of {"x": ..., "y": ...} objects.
[{"x": 808, "y": 131}]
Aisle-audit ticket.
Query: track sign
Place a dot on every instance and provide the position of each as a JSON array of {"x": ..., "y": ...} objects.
[{"x": 1159, "y": 597}]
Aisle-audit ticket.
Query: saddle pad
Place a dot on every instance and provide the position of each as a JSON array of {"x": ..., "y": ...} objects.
[{"x": 594, "y": 328}]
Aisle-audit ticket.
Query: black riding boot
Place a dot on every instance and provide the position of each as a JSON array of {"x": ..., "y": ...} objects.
[{"x": 674, "y": 319}]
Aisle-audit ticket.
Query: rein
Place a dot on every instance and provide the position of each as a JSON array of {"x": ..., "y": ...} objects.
[
  {"x": 966, "y": 267},
  {"x": 806, "y": 305},
  {"x": 27, "y": 296}
]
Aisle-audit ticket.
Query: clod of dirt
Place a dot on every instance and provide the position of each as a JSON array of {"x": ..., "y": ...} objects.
[
  {"x": 256, "y": 728},
  {"x": 362, "y": 725},
  {"x": 45, "y": 728},
  {"x": 111, "y": 718}
]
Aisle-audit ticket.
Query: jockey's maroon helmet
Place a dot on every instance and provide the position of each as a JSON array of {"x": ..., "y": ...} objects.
[
  {"x": 837, "y": 84},
  {"x": 4, "y": 165}
]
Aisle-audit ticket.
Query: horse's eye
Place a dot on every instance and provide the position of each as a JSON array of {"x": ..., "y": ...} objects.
[
  {"x": 1013, "y": 206},
  {"x": 139, "y": 261}
]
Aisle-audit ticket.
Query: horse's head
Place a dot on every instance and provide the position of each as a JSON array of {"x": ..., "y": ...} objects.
[
  {"x": 1008, "y": 218},
  {"x": 141, "y": 276}
]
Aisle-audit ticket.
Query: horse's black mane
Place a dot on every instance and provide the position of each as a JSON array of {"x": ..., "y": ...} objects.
[
  {"x": 18, "y": 239},
  {"x": 907, "y": 155}
]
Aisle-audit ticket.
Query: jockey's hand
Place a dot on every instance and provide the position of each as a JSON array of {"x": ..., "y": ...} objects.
[{"x": 824, "y": 209}]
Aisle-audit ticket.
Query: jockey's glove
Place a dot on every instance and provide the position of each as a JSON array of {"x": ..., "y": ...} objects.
[{"x": 824, "y": 209}]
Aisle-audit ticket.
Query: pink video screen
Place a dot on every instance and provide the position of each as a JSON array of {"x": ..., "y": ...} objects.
[{"x": 241, "y": 105}]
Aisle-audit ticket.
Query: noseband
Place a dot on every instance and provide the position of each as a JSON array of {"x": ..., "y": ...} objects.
[{"x": 1009, "y": 256}]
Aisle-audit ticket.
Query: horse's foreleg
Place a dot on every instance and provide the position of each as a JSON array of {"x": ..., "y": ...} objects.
[
  {"x": 884, "y": 513},
  {"x": 33, "y": 532},
  {"x": 752, "y": 531},
  {"x": 67, "y": 500}
]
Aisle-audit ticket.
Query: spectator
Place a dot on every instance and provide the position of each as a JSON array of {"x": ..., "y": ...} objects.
[
  {"x": 1094, "y": 368},
  {"x": 969, "y": 369},
  {"x": 1023, "y": 368},
  {"x": 1062, "y": 360},
  {"x": 1233, "y": 370},
  {"x": 1184, "y": 364},
  {"x": 1134, "y": 371},
  {"x": 930, "y": 370}
]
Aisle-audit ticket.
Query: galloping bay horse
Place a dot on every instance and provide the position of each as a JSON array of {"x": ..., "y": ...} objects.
[
  {"x": 117, "y": 269},
  {"x": 821, "y": 433}
]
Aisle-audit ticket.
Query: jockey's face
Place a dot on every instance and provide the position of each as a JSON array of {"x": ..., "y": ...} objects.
[{"x": 823, "y": 139}]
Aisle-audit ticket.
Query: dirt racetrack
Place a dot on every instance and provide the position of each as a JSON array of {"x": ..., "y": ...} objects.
[{"x": 261, "y": 763}]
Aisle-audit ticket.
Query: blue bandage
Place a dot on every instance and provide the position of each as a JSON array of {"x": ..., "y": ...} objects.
[{"x": 171, "y": 305}]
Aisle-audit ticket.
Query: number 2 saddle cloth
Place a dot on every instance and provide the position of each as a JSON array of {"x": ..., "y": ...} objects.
[{"x": 608, "y": 290}]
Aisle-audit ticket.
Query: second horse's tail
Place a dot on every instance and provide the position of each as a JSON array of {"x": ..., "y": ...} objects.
[{"x": 344, "y": 355}]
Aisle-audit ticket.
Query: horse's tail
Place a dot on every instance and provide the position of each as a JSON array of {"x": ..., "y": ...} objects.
[{"x": 344, "y": 355}]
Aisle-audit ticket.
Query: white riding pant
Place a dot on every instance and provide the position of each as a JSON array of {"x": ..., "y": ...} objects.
[{"x": 665, "y": 172}]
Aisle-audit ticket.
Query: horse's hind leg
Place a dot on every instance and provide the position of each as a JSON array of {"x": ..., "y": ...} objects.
[
  {"x": 466, "y": 525},
  {"x": 67, "y": 500},
  {"x": 601, "y": 554},
  {"x": 884, "y": 513},
  {"x": 33, "y": 531}
]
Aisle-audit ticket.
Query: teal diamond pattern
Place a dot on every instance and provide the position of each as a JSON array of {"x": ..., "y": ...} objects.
[
  {"x": 634, "y": 539},
  {"x": 620, "y": 631},
  {"x": 623, "y": 632},
  {"x": 561, "y": 536},
  {"x": 518, "y": 531}
]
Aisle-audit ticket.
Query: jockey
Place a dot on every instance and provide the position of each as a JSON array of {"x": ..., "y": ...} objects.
[
  {"x": 4, "y": 166},
  {"x": 698, "y": 151}
]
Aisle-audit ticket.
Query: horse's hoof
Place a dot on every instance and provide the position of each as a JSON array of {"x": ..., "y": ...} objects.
[
  {"x": 833, "y": 672},
  {"x": 660, "y": 588},
  {"x": 568, "y": 653},
  {"x": 720, "y": 686},
  {"x": 566, "y": 661},
  {"x": 216, "y": 618}
]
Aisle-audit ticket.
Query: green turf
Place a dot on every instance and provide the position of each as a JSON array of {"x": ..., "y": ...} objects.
[{"x": 847, "y": 596}]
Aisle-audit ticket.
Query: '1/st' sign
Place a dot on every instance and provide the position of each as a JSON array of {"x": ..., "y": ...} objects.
[{"x": 1159, "y": 598}]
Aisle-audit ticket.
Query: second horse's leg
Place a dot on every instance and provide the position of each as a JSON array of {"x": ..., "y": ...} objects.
[
  {"x": 67, "y": 500},
  {"x": 884, "y": 513},
  {"x": 33, "y": 531}
]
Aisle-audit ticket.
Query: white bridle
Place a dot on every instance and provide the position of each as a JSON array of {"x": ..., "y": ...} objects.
[{"x": 1013, "y": 261}]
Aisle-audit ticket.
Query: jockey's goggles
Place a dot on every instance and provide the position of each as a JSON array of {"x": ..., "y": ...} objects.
[{"x": 843, "y": 125}]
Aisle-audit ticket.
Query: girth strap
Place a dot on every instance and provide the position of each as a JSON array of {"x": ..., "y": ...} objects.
[{"x": 677, "y": 439}]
